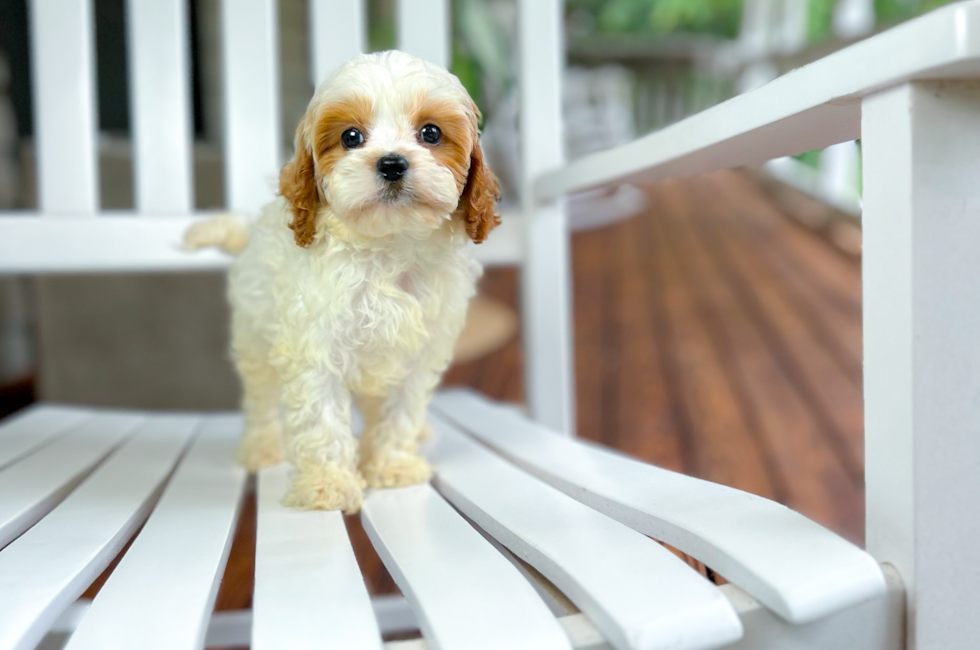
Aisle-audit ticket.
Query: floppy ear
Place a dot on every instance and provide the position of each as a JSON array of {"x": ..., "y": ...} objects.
[
  {"x": 478, "y": 202},
  {"x": 297, "y": 184}
]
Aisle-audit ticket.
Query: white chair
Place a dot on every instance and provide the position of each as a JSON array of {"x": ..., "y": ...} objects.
[{"x": 76, "y": 484}]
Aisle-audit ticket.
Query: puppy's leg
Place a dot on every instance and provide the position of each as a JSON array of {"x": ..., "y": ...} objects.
[
  {"x": 389, "y": 444},
  {"x": 319, "y": 443},
  {"x": 261, "y": 444}
]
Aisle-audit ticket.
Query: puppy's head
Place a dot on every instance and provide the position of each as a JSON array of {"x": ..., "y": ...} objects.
[{"x": 390, "y": 143}]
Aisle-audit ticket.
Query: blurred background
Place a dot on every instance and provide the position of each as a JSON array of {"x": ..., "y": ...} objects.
[{"x": 717, "y": 319}]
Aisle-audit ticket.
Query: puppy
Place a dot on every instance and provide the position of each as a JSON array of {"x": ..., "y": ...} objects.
[{"x": 354, "y": 283}]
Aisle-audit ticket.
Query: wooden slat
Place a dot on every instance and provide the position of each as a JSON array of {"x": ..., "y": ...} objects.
[
  {"x": 51, "y": 564},
  {"x": 754, "y": 453},
  {"x": 34, "y": 427},
  {"x": 129, "y": 242},
  {"x": 465, "y": 595},
  {"x": 65, "y": 115},
  {"x": 160, "y": 104},
  {"x": 640, "y": 595},
  {"x": 338, "y": 32},
  {"x": 309, "y": 593},
  {"x": 425, "y": 29},
  {"x": 795, "y": 567},
  {"x": 810, "y": 108},
  {"x": 252, "y": 138},
  {"x": 33, "y": 486},
  {"x": 176, "y": 563}
]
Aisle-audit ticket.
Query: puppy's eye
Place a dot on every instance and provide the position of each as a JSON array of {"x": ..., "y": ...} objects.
[
  {"x": 430, "y": 134},
  {"x": 351, "y": 139}
]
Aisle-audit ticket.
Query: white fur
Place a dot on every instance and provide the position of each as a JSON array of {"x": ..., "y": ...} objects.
[{"x": 369, "y": 312}]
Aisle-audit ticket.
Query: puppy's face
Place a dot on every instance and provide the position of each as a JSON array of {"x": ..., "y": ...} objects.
[{"x": 390, "y": 144}]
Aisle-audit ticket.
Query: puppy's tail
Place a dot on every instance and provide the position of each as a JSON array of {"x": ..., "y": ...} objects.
[{"x": 225, "y": 231}]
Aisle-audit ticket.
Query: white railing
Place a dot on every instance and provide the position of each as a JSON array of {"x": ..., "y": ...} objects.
[{"x": 913, "y": 95}]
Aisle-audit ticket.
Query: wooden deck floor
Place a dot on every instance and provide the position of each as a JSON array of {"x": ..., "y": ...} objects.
[{"x": 713, "y": 337}]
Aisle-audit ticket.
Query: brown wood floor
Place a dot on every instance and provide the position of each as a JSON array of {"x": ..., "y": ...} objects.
[{"x": 714, "y": 337}]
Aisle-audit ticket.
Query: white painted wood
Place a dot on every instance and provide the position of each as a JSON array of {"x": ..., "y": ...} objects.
[
  {"x": 129, "y": 242},
  {"x": 176, "y": 563},
  {"x": 125, "y": 242},
  {"x": 30, "y": 488},
  {"x": 854, "y": 18},
  {"x": 922, "y": 362},
  {"x": 50, "y": 565},
  {"x": 810, "y": 108},
  {"x": 464, "y": 594},
  {"x": 425, "y": 29},
  {"x": 65, "y": 112},
  {"x": 338, "y": 32},
  {"x": 160, "y": 104},
  {"x": 394, "y": 614},
  {"x": 252, "y": 141},
  {"x": 795, "y": 567},
  {"x": 309, "y": 593},
  {"x": 873, "y": 624},
  {"x": 34, "y": 427},
  {"x": 546, "y": 277},
  {"x": 639, "y": 594}
]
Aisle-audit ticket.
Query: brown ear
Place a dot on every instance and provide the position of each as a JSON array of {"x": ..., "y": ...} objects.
[
  {"x": 478, "y": 202},
  {"x": 297, "y": 184}
]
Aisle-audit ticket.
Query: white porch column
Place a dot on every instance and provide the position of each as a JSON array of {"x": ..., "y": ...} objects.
[
  {"x": 546, "y": 276},
  {"x": 922, "y": 350}
]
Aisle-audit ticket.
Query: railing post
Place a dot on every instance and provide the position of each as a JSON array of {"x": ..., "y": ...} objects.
[
  {"x": 922, "y": 350},
  {"x": 425, "y": 29},
  {"x": 545, "y": 276}
]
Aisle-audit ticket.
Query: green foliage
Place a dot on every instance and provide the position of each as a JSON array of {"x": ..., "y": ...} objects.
[
  {"x": 719, "y": 17},
  {"x": 723, "y": 17}
]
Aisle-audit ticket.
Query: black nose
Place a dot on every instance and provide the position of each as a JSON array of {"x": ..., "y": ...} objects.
[{"x": 392, "y": 166}]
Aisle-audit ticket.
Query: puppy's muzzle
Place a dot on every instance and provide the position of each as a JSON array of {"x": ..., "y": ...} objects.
[{"x": 392, "y": 167}]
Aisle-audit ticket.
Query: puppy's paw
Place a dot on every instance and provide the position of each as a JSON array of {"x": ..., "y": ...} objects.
[
  {"x": 396, "y": 470},
  {"x": 262, "y": 448},
  {"x": 425, "y": 433},
  {"x": 325, "y": 487}
]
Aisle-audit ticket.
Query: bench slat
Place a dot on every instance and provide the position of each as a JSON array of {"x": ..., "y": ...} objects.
[
  {"x": 639, "y": 594},
  {"x": 33, "y": 427},
  {"x": 176, "y": 562},
  {"x": 65, "y": 118},
  {"x": 160, "y": 104},
  {"x": 50, "y": 565},
  {"x": 810, "y": 108},
  {"x": 30, "y": 488},
  {"x": 795, "y": 567},
  {"x": 252, "y": 139},
  {"x": 309, "y": 592},
  {"x": 464, "y": 593}
]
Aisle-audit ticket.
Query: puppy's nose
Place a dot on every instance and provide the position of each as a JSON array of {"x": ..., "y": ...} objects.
[{"x": 392, "y": 166}]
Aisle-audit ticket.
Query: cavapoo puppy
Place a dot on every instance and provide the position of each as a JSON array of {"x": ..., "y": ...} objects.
[{"x": 354, "y": 283}]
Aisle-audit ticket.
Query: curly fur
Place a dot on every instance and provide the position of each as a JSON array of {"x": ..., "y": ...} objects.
[{"x": 350, "y": 288}]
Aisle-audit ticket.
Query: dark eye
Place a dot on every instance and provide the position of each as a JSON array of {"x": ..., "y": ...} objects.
[
  {"x": 430, "y": 134},
  {"x": 351, "y": 139}
]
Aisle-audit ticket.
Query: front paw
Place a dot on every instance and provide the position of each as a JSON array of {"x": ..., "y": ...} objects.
[
  {"x": 397, "y": 469},
  {"x": 317, "y": 486},
  {"x": 260, "y": 448}
]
